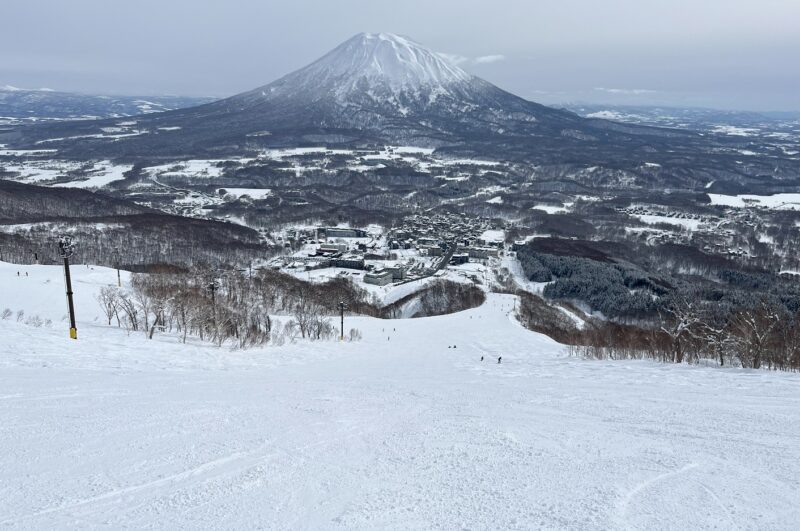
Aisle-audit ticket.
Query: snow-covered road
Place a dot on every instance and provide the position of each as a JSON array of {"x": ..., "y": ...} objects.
[{"x": 396, "y": 431}]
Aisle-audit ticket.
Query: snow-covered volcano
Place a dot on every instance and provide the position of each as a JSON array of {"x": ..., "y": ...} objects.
[
  {"x": 374, "y": 88},
  {"x": 390, "y": 85},
  {"x": 377, "y": 62}
]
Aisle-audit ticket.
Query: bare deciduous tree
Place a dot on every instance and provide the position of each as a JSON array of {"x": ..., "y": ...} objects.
[
  {"x": 109, "y": 302},
  {"x": 681, "y": 323},
  {"x": 754, "y": 329}
]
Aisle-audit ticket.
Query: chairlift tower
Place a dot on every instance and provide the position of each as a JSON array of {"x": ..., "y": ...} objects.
[
  {"x": 342, "y": 308},
  {"x": 66, "y": 248}
]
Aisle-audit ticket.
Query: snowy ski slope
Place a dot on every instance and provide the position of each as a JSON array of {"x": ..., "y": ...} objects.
[{"x": 397, "y": 431}]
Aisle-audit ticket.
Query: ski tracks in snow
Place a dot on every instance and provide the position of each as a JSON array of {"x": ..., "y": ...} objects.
[
  {"x": 135, "y": 494},
  {"x": 637, "y": 492},
  {"x": 117, "y": 431}
]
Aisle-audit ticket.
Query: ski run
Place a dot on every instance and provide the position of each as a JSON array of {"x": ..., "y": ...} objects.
[{"x": 405, "y": 429}]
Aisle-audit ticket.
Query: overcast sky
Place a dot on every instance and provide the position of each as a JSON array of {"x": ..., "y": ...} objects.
[{"x": 739, "y": 54}]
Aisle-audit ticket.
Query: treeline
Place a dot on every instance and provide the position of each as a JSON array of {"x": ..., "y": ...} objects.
[
  {"x": 24, "y": 203},
  {"x": 438, "y": 298},
  {"x": 229, "y": 307},
  {"x": 114, "y": 232},
  {"x": 630, "y": 284},
  {"x": 613, "y": 289},
  {"x": 136, "y": 242},
  {"x": 747, "y": 318},
  {"x": 761, "y": 334},
  {"x": 234, "y": 307}
]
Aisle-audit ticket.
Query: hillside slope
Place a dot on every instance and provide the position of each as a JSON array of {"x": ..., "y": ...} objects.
[
  {"x": 20, "y": 106},
  {"x": 114, "y": 231},
  {"x": 397, "y": 431}
]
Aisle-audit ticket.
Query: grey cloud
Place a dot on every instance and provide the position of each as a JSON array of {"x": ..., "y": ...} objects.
[
  {"x": 626, "y": 91},
  {"x": 457, "y": 59},
  {"x": 485, "y": 59}
]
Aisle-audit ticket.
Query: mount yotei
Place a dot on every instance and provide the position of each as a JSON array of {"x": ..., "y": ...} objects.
[
  {"x": 371, "y": 88},
  {"x": 384, "y": 89}
]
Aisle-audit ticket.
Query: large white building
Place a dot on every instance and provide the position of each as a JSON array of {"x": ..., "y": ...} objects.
[{"x": 380, "y": 277}]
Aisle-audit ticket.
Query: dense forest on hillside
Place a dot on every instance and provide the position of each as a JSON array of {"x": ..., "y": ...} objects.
[
  {"x": 115, "y": 232},
  {"x": 730, "y": 316}
]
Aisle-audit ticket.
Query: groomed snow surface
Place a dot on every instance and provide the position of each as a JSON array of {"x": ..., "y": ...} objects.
[{"x": 396, "y": 431}]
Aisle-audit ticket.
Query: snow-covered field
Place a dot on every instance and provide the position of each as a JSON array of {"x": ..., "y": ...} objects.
[
  {"x": 777, "y": 201},
  {"x": 187, "y": 168},
  {"x": 551, "y": 209},
  {"x": 396, "y": 431},
  {"x": 99, "y": 173},
  {"x": 103, "y": 177},
  {"x": 734, "y": 130},
  {"x": 689, "y": 224}
]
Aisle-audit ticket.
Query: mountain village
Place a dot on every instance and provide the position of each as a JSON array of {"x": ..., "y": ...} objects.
[{"x": 420, "y": 246}]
